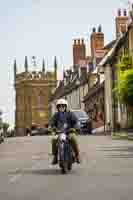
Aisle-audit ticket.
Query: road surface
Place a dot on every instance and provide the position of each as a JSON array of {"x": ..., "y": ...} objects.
[{"x": 106, "y": 172}]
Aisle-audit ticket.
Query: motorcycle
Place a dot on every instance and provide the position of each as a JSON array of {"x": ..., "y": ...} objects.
[{"x": 65, "y": 155}]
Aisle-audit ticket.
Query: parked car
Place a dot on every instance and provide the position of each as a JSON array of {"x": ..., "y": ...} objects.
[
  {"x": 39, "y": 131},
  {"x": 84, "y": 122},
  {"x": 42, "y": 131}
]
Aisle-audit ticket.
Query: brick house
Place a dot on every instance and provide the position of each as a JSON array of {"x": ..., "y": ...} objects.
[{"x": 94, "y": 105}]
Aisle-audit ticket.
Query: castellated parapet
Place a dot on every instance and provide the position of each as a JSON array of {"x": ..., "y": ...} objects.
[{"x": 34, "y": 76}]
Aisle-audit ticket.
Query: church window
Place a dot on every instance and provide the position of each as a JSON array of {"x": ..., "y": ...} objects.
[{"x": 40, "y": 99}]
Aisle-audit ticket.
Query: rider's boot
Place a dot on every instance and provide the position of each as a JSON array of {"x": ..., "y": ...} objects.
[
  {"x": 54, "y": 161},
  {"x": 76, "y": 151}
]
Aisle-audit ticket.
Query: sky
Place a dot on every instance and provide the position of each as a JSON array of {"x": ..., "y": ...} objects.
[{"x": 46, "y": 28}]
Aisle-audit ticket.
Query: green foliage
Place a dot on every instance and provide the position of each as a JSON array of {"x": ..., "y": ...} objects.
[
  {"x": 125, "y": 63},
  {"x": 5, "y": 126},
  {"x": 124, "y": 83},
  {"x": 1, "y": 125},
  {"x": 129, "y": 87},
  {"x": 124, "y": 86}
]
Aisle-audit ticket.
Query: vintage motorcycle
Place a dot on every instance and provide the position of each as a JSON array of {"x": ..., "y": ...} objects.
[{"x": 65, "y": 152}]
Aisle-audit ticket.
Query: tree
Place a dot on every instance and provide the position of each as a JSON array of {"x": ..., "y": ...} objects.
[
  {"x": 124, "y": 84},
  {"x": 5, "y": 128},
  {"x": 129, "y": 87},
  {"x": 125, "y": 63}
]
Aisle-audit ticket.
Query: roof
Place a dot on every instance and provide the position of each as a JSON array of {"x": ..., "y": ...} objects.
[
  {"x": 63, "y": 90},
  {"x": 93, "y": 90},
  {"x": 115, "y": 45},
  {"x": 110, "y": 44},
  {"x": 112, "y": 51},
  {"x": 58, "y": 91}
]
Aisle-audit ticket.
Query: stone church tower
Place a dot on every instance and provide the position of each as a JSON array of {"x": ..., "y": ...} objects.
[{"x": 33, "y": 90}]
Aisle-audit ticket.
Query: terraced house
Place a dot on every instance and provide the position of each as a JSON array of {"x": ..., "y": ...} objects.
[
  {"x": 93, "y": 91},
  {"x": 78, "y": 79},
  {"x": 115, "y": 112}
]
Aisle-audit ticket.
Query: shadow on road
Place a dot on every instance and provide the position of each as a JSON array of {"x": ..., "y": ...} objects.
[
  {"x": 45, "y": 172},
  {"x": 118, "y": 152},
  {"x": 42, "y": 171}
]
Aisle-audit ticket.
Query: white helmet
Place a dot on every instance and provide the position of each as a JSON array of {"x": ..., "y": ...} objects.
[{"x": 61, "y": 102}]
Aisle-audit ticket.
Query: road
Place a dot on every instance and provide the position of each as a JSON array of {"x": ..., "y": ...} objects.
[{"x": 106, "y": 172}]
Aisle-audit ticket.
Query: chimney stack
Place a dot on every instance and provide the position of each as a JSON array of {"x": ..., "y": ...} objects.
[
  {"x": 96, "y": 40},
  {"x": 121, "y": 22},
  {"x": 79, "y": 51}
]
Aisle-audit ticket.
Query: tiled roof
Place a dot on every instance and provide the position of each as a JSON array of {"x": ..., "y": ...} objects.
[
  {"x": 64, "y": 90},
  {"x": 93, "y": 90},
  {"x": 112, "y": 51},
  {"x": 57, "y": 92},
  {"x": 115, "y": 45},
  {"x": 110, "y": 44}
]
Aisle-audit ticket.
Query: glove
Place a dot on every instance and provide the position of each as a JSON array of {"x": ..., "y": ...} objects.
[
  {"x": 51, "y": 131},
  {"x": 72, "y": 130}
]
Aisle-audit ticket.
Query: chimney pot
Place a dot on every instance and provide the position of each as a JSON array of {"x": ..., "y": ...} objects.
[
  {"x": 82, "y": 41},
  {"x": 94, "y": 30},
  {"x": 78, "y": 41},
  {"x": 119, "y": 12},
  {"x": 74, "y": 42},
  {"x": 125, "y": 12},
  {"x": 100, "y": 29}
]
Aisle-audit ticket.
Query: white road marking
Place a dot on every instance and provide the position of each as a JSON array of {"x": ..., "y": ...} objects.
[
  {"x": 14, "y": 171},
  {"x": 15, "y": 178},
  {"x": 35, "y": 157}
]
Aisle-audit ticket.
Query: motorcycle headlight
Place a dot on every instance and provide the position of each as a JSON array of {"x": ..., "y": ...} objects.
[
  {"x": 62, "y": 137},
  {"x": 79, "y": 123},
  {"x": 65, "y": 125}
]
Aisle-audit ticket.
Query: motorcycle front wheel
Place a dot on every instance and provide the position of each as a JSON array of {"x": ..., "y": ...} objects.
[
  {"x": 69, "y": 167},
  {"x": 63, "y": 167}
]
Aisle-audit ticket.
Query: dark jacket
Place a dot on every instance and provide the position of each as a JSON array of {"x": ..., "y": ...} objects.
[{"x": 59, "y": 119}]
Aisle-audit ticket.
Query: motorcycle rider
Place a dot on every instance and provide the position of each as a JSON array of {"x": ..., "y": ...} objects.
[{"x": 61, "y": 117}]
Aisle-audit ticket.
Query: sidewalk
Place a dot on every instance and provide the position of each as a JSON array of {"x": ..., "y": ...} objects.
[
  {"x": 115, "y": 135},
  {"x": 122, "y": 135}
]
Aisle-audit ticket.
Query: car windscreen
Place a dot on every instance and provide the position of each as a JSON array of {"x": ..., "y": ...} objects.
[{"x": 81, "y": 114}]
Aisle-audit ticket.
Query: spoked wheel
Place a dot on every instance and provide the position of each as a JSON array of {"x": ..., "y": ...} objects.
[{"x": 64, "y": 171}]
